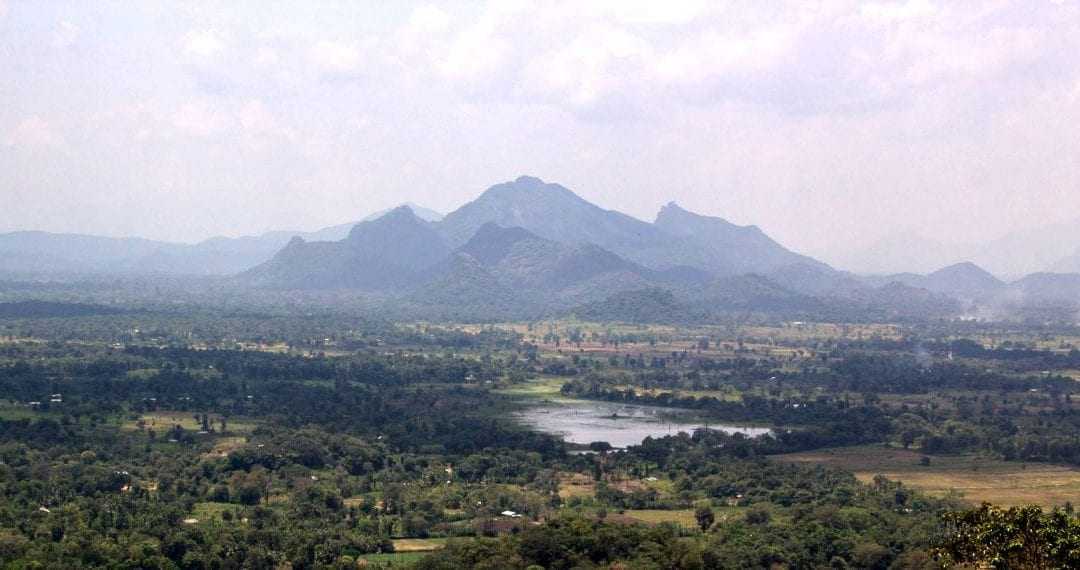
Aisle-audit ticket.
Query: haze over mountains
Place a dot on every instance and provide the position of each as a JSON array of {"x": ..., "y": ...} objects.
[
  {"x": 1050, "y": 248},
  {"x": 528, "y": 248}
]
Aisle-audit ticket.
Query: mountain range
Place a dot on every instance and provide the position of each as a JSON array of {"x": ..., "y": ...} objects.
[
  {"x": 531, "y": 248},
  {"x": 528, "y": 248}
]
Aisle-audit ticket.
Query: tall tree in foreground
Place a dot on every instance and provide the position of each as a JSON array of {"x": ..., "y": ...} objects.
[{"x": 1015, "y": 538}]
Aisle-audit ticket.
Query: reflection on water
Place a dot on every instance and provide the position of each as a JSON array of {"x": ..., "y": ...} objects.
[{"x": 618, "y": 424}]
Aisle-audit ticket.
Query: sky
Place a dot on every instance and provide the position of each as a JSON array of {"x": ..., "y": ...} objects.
[{"x": 831, "y": 125}]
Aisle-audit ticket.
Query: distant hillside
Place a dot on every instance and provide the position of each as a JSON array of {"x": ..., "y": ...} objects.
[
  {"x": 541, "y": 274},
  {"x": 1046, "y": 289},
  {"x": 965, "y": 280},
  {"x": 746, "y": 293},
  {"x": 388, "y": 253},
  {"x": 896, "y": 301},
  {"x": 49, "y": 309},
  {"x": 462, "y": 288},
  {"x": 729, "y": 249},
  {"x": 526, "y": 261},
  {"x": 962, "y": 280},
  {"x": 652, "y": 305}
]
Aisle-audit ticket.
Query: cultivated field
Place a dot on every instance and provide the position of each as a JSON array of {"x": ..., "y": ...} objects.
[{"x": 975, "y": 478}]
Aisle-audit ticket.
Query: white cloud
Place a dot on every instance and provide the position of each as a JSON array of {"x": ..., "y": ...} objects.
[
  {"x": 201, "y": 119},
  {"x": 893, "y": 12},
  {"x": 592, "y": 66},
  {"x": 256, "y": 118},
  {"x": 203, "y": 43},
  {"x": 652, "y": 12},
  {"x": 33, "y": 132},
  {"x": 428, "y": 18},
  {"x": 65, "y": 34},
  {"x": 266, "y": 56},
  {"x": 336, "y": 57},
  {"x": 716, "y": 53}
]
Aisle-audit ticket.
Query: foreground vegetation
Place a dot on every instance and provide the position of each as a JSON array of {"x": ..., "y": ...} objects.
[{"x": 158, "y": 441}]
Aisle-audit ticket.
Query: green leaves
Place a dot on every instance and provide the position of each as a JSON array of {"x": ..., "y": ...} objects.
[{"x": 1016, "y": 538}]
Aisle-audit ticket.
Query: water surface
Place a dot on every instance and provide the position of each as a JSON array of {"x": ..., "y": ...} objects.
[{"x": 580, "y": 421}]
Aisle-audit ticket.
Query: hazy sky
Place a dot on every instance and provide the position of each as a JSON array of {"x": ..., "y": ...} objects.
[{"x": 829, "y": 124}]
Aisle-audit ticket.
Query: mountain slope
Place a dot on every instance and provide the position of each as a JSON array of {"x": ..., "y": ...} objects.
[
  {"x": 387, "y": 253},
  {"x": 549, "y": 211},
  {"x": 527, "y": 261},
  {"x": 1046, "y": 289},
  {"x": 677, "y": 239},
  {"x": 965, "y": 280},
  {"x": 548, "y": 273},
  {"x": 733, "y": 249},
  {"x": 463, "y": 288}
]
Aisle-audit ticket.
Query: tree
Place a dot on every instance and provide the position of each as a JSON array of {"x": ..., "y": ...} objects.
[
  {"x": 705, "y": 517},
  {"x": 1020, "y": 537}
]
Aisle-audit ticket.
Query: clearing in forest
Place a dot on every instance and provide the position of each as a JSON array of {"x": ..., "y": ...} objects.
[{"x": 975, "y": 478}]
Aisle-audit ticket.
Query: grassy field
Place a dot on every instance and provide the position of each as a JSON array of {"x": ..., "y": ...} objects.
[
  {"x": 206, "y": 512},
  {"x": 975, "y": 478},
  {"x": 683, "y": 517},
  {"x": 163, "y": 420},
  {"x": 418, "y": 544},
  {"x": 17, "y": 411},
  {"x": 543, "y": 387},
  {"x": 393, "y": 558},
  {"x": 223, "y": 446}
]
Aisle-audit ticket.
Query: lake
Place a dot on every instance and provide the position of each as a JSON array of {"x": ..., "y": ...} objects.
[{"x": 621, "y": 425}]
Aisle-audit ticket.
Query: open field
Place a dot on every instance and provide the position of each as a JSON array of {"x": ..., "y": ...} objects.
[
  {"x": 582, "y": 485},
  {"x": 163, "y": 420},
  {"x": 975, "y": 478},
  {"x": 418, "y": 544},
  {"x": 393, "y": 558},
  {"x": 684, "y": 517},
  {"x": 542, "y": 387},
  {"x": 18, "y": 411},
  {"x": 209, "y": 511},
  {"x": 223, "y": 446}
]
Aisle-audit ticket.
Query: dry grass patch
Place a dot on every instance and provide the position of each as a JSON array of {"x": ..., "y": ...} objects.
[
  {"x": 683, "y": 517},
  {"x": 576, "y": 485},
  {"x": 976, "y": 478},
  {"x": 418, "y": 544},
  {"x": 161, "y": 421},
  {"x": 225, "y": 445}
]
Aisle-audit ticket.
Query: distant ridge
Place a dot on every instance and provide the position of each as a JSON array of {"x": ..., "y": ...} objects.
[{"x": 44, "y": 253}]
